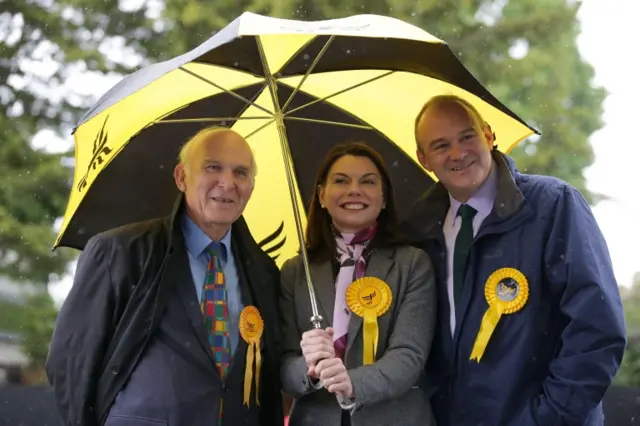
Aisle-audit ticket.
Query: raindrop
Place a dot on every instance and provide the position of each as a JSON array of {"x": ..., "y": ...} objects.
[
  {"x": 306, "y": 56},
  {"x": 348, "y": 51},
  {"x": 395, "y": 163}
]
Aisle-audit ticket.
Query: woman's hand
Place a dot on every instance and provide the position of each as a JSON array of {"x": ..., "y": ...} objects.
[
  {"x": 316, "y": 345},
  {"x": 334, "y": 377}
]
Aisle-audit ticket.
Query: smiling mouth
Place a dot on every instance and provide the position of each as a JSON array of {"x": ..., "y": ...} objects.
[
  {"x": 464, "y": 167},
  {"x": 222, "y": 200},
  {"x": 354, "y": 206}
]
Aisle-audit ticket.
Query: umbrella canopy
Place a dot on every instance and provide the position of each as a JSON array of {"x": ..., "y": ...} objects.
[{"x": 292, "y": 89}]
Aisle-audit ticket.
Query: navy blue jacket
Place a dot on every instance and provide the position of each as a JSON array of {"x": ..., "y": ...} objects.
[{"x": 550, "y": 363}]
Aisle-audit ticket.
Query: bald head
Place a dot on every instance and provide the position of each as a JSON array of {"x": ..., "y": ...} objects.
[
  {"x": 192, "y": 150},
  {"x": 216, "y": 173}
]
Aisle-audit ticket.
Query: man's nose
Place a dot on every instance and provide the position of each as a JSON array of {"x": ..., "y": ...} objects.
[
  {"x": 456, "y": 152},
  {"x": 226, "y": 179}
]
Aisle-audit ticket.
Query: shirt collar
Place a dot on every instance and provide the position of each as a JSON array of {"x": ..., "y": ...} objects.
[
  {"x": 196, "y": 240},
  {"x": 483, "y": 198}
]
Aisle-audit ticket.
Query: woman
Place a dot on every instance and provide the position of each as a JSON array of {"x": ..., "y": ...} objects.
[{"x": 351, "y": 233}]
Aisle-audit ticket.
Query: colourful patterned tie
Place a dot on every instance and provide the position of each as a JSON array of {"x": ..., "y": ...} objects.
[{"x": 215, "y": 311}]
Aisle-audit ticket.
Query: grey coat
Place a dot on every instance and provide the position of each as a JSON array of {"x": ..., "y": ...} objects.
[{"x": 392, "y": 391}]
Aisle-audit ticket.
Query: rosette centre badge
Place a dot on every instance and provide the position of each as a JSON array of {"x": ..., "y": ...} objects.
[{"x": 506, "y": 292}]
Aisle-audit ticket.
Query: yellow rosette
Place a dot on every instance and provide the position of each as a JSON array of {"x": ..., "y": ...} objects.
[
  {"x": 251, "y": 328},
  {"x": 369, "y": 298},
  {"x": 506, "y": 291}
]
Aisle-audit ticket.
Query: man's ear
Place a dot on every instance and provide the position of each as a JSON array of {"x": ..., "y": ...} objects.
[
  {"x": 180, "y": 177},
  {"x": 489, "y": 136},
  {"x": 423, "y": 160}
]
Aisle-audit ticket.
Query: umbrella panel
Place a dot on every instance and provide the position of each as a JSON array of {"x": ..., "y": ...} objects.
[{"x": 240, "y": 54}]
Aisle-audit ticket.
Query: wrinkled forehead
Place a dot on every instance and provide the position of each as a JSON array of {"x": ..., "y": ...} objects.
[{"x": 226, "y": 148}]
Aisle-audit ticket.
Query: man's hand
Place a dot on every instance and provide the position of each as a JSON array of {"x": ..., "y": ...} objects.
[{"x": 317, "y": 345}]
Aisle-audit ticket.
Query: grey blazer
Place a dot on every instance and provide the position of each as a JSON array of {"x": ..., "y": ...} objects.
[{"x": 394, "y": 389}]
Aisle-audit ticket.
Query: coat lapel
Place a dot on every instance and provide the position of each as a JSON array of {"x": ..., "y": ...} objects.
[
  {"x": 177, "y": 270},
  {"x": 238, "y": 360},
  {"x": 379, "y": 265},
  {"x": 257, "y": 275}
]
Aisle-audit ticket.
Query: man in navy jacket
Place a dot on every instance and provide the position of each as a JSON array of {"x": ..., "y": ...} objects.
[{"x": 531, "y": 328}]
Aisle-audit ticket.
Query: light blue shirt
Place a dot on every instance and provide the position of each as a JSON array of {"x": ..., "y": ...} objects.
[
  {"x": 482, "y": 201},
  {"x": 197, "y": 241}
]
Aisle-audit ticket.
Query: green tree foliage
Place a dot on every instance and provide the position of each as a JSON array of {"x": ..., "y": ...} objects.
[
  {"x": 37, "y": 327},
  {"x": 41, "y": 43}
]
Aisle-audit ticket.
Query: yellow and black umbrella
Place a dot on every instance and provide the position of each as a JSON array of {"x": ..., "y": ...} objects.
[{"x": 291, "y": 88}]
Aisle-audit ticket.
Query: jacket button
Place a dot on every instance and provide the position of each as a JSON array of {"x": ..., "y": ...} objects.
[{"x": 115, "y": 370}]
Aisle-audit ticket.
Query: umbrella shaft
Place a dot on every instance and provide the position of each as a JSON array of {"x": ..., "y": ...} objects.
[{"x": 316, "y": 318}]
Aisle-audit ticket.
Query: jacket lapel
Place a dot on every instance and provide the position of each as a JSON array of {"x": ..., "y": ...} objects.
[
  {"x": 378, "y": 266},
  {"x": 177, "y": 270},
  {"x": 238, "y": 360},
  {"x": 256, "y": 274}
]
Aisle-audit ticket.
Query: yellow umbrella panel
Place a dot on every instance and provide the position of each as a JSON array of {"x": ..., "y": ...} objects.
[{"x": 292, "y": 89}]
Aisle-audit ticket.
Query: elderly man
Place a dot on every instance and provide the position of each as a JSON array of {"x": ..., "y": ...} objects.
[
  {"x": 162, "y": 314},
  {"x": 531, "y": 324}
]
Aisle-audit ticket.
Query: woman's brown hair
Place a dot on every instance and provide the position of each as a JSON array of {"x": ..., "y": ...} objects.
[{"x": 320, "y": 241}]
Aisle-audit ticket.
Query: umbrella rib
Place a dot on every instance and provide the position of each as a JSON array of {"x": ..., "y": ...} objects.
[
  {"x": 215, "y": 120},
  {"x": 334, "y": 123},
  {"x": 308, "y": 72},
  {"x": 260, "y": 128},
  {"x": 235, "y": 95},
  {"x": 340, "y": 92}
]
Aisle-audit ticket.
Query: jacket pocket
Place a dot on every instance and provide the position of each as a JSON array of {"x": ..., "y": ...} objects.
[{"x": 124, "y": 420}]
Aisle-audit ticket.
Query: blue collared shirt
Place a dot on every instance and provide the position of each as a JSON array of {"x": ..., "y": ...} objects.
[
  {"x": 197, "y": 241},
  {"x": 482, "y": 201}
]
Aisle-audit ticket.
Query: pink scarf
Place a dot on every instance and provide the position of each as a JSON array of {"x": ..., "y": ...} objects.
[{"x": 350, "y": 249}]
